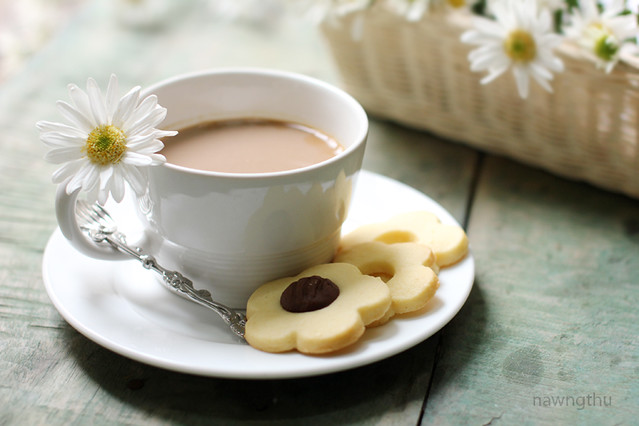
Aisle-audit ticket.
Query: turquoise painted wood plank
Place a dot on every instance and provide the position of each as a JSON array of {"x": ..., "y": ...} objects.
[{"x": 549, "y": 334}]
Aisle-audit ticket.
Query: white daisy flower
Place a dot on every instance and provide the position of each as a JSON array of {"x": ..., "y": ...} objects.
[
  {"x": 412, "y": 10},
  {"x": 108, "y": 142},
  {"x": 552, "y": 5},
  {"x": 519, "y": 38},
  {"x": 602, "y": 34},
  {"x": 332, "y": 12}
]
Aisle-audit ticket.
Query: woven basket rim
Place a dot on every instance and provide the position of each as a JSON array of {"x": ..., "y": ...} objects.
[{"x": 462, "y": 20}]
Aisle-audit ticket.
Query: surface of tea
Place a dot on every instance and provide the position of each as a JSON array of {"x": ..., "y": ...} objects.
[{"x": 249, "y": 146}]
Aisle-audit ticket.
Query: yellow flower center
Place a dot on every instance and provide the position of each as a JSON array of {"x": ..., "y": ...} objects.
[
  {"x": 105, "y": 145},
  {"x": 457, "y": 3},
  {"x": 520, "y": 46}
]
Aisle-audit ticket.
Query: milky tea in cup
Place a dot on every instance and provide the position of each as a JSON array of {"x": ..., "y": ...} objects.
[
  {"x": 250, "y": 146},
  {"x": 231, "y": 230}
]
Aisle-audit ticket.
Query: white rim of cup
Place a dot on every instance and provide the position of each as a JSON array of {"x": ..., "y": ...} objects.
[{"x": 359, "y": 110}]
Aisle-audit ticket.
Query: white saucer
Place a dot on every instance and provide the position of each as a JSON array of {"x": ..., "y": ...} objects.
[{"x": 120, "y": 306}]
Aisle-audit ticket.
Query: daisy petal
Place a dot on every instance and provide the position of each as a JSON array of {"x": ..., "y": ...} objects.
[
  {"x": 416, "y": 10},
  {"x": 152, "y": 119},
  {"x": 489, "y": 60},
  {"x": 140, "y": 140},
  {"x": 92, "y": 195},
  {"x": 104, "y": 187},
  {"x": 486, "y": 49},
  {"x": 489, "y": 27},
  {"x": 96, "y": 102},
  {"x": 111, "y": 98},
  {"x": 136, "y": 159},
  {"x": 147, "y": 105},
  {"x": 66, "y": 171},
  {"x": 553, "y": 63},
  {"x": 75, "y": 117},
  {"x": 92, "y": 179},
  {"x": 542, "y": 81},
  {"x": 475, "y": 37},
  {"x": 62, "y": 155},
  {"x": 57, "y": 140},
  {"x": 150, "y": 146},
  {"x": 77, "y": 181},
  {"x": 105, "y": 176},
  {"x": 158, "y": 159},
  {"x": 522, "y": 79},
  {"x": 117, "y": 186},
  {"x": 136, "y": 178},
  {"x": 142, "y": 110},
  {"x": 126, "y": 106},
  {"x": 540, "y": 71},
  {"x": 81, "y": 102},
  {"x": 103, "y": 196},
  {"x": 59, "y": 128},
  {"x": 494, "y": 73},
  {"x": 158, "y": 134}
]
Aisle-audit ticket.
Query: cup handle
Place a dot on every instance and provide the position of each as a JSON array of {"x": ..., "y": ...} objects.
[{"x": 67, "y": 220}]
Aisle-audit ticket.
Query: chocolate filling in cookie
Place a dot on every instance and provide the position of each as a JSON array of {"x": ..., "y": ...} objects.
[{"x": 309, "y": 294}]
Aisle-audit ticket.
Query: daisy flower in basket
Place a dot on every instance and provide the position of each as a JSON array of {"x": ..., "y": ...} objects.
[
  {"x": 602, "y": 33},
  {"x": 522, "y": 34},
  {"x": 108, "y": 142},
  {"x": 520, "y": 38}
]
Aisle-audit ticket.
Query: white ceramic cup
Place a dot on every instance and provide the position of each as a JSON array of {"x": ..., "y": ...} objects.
[{"x": 230, "y": 233}]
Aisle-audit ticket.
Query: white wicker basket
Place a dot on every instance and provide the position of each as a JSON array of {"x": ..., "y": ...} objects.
[{"x": 418, "y": 74}]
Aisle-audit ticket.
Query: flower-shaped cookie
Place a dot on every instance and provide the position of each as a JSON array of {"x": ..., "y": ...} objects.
[
  {"x": 408, "y": 267},
  {"x": 362, "y": 299},
  {"x": 448, "y": 242}
]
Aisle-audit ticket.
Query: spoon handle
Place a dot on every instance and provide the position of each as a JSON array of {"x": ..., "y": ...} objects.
[{"x": 175, "y": 281}]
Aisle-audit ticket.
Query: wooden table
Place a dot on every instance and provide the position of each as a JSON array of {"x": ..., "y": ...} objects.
[{"x": 547, "y": 336}]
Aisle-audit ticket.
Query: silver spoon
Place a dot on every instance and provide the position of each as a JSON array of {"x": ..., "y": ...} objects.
[{"x": 101, "y": 227}]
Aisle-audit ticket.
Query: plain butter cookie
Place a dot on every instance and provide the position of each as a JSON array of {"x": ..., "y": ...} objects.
[
  {"x": 448, "y": 242},
  {"x": 409, "y": 270}
]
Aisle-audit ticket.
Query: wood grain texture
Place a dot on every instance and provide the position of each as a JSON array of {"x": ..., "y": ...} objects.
[{"x": 553, "y": 311}]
